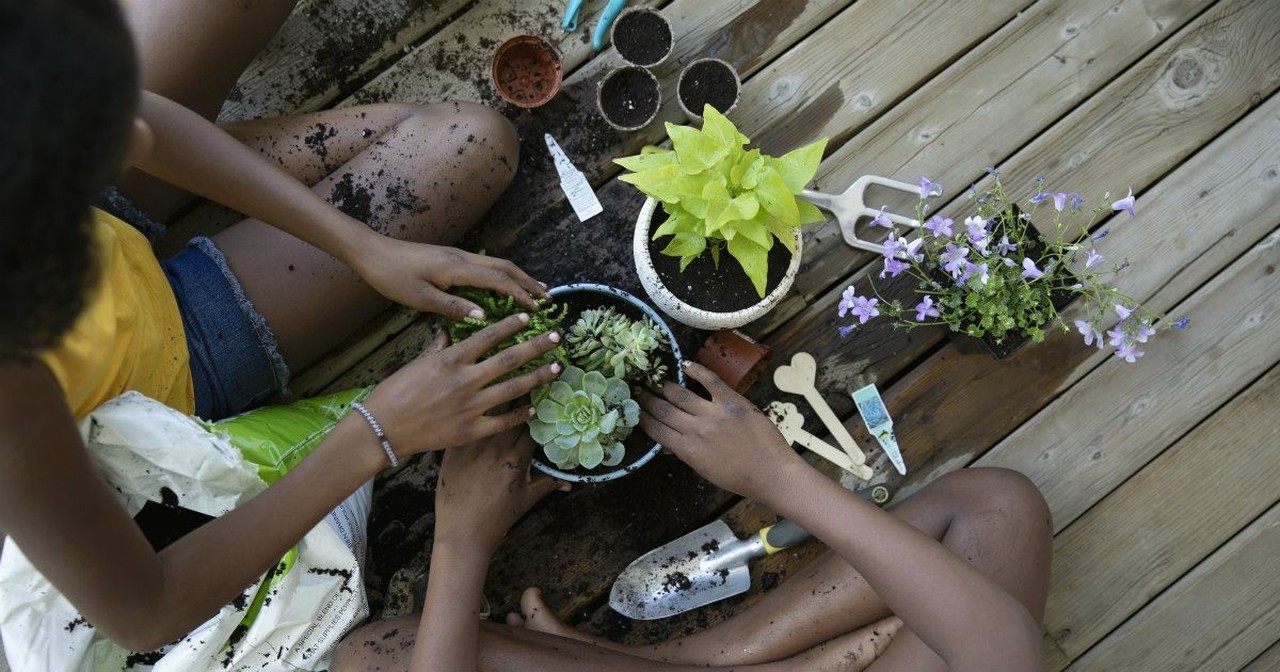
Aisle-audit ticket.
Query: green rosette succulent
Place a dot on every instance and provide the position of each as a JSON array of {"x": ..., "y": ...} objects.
[
  {"x": 582, "y": 419},
  {"x": 607, "y": 341}
]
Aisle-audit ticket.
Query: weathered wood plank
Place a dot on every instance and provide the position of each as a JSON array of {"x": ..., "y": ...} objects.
[
  {"x": 1269, "y": 661},
  {"x": 1219, "y": 616},
  {"x": 954, "y": 407},
  {"x": 325, "y": 47},
  {"x": 1166, "y": 518},
  {"x": 1090, "y": 439}
]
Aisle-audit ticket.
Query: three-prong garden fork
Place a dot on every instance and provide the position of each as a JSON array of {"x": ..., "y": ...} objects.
[{"x": 851, "y": 205}]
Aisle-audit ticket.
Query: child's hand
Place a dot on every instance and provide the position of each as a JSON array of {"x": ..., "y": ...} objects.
[
  {"x": 727, "y": 440},
  {"x": 485, "y": 487},
  {"x": 419, "y": 276},
  {"x": 441, "y": 399}
]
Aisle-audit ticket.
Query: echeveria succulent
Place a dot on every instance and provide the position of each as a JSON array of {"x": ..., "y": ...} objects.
[
  {"x": 582, "y": 419},
  {"x": 607, "y": 341}
]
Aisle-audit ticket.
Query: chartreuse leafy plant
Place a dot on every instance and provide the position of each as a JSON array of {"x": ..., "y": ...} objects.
[
  {"x": 718, "y": 195},
  {"x": 607, "y": 341},
  {"x": 499, "y": 306},
  {"x": 582, "y": 419}
]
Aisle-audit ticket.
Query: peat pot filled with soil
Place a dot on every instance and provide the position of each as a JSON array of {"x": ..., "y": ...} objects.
[
  {"x": 704, "y": 295},
  {"x": 708, "y": 81},
  {"x": 642, "y": 37},
  {"x": 639, "y": 448},
  {"x": 629, "y": 98}
]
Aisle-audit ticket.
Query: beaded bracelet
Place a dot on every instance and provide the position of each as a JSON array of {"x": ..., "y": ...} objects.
[{"x": 377, "y": 430}]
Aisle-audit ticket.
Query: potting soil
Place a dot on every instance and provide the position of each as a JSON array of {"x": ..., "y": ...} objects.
[
  {"x": 711, "y": 83},
  {"x": 642, "y": 38},
  {"x": 629, "y": 98}
]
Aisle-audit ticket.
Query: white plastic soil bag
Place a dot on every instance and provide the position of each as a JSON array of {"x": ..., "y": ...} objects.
[{"x": 290, "y": 619}]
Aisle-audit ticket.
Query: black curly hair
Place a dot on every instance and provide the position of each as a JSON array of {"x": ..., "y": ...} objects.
[{"x": 68, "y": 94}]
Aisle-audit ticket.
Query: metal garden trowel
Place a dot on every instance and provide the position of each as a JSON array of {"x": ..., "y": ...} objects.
[{"x": 704, "y": 566}]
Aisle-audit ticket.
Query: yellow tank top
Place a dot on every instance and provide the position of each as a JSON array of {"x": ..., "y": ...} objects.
[{"x": 130, "y": 336}]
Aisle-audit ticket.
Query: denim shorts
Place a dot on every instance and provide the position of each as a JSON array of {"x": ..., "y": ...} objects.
[{"x": 235, "y": 362}]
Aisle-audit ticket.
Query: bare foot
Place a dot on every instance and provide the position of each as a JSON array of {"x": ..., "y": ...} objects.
[{"x": 535, "y": 615}]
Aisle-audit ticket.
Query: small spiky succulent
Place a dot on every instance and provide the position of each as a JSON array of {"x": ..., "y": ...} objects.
[
  {"x": 607, "y": 341},
  {"x": 582, "y": 419},
  {"x": 496, "y": 307}
]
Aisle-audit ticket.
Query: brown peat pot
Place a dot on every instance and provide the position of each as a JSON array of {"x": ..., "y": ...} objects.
[
  {"x": 642, "y": 36},
  {"x": 708, "y": 81}
]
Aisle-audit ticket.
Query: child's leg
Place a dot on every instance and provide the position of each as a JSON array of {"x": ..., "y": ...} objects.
[
  {"x": 192, "y": 52},
  {"x": 424, "y": 174},
  {"x": 994, "y": 518}
]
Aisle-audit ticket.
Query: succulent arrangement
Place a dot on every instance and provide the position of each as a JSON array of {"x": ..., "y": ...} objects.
[
  {"x": 607, "y": 341},
  {"x": 582, "y": 419},
  {"x": 584, "y": 416},
  {"x": 718, "y": 196}
]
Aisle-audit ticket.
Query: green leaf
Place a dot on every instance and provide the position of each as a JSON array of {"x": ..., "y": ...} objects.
[
  {"x": 754, "y": 229},
  {"x": 685, "y": 244},
  {"x": 754, "y": 260},
  {"x": 678, "y": 221},
  {"x": 715, "y": 255},
  {"x": 697, "y": 151},
  {"x": 799, "y": 166},
  {"x": 746, "y": 172},
  {"x": 719, "y": 128},
  {"x": 660, "y": 183},
  {"x": 777, "y": 198},
  {"x": 718, "y": 200},
  {"x": 647, "y": 160},
  {"x": 785, "y": 234},
  {"x": 809, "y": 213}
]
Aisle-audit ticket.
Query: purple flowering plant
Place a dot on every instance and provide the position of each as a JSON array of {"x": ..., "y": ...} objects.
[{"x": 995, "y": 277}]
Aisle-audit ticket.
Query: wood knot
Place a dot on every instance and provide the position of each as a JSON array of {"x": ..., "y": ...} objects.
[{"x": 1187, "y": 73}]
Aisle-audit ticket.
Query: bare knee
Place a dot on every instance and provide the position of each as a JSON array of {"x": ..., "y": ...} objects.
[{"x": 483, "y": 141}]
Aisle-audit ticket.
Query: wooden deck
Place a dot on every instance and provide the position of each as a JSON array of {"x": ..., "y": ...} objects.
[{"x": 1161, "y": 475}]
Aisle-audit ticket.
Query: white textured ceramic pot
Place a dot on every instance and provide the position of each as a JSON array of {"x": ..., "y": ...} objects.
[{"x": 694, "y": 316}]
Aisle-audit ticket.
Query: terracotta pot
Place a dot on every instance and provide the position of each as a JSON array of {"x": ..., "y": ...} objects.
[
  {"x": 640, "y": 449},
  {"x": 735, "y": 357},
  {"x": 694, "y": 316},
  {"x": 713, "y": 69},
  {"x": 629, "y": 98},
  {"x": 526, "y": 71}
]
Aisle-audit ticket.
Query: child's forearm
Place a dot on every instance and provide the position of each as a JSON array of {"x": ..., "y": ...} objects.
[
  {"x": 963, "y": 616},
  {"x": 197, "y": 156},
  {"x": 449, "y": 633}
]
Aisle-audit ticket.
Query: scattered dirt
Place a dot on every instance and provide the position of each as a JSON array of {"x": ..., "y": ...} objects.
[
  {"x": 708, "y": 82},
  {"x": 642, "y": 37},
  {"x": 629, "y": 97}
]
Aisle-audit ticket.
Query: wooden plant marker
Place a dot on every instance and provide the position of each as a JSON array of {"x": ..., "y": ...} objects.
[
  {"x": 791, "y": 423},
  {"x": 798, "y": 378}
]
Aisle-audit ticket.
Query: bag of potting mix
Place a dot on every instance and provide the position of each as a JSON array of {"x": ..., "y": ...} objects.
[{"x": 290, "y": 619}]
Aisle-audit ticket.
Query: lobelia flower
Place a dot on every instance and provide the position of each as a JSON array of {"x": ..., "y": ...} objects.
[
  {"x": 1144, "y": 332},
  {"x": 1182, "y": 322},
  {"x": 913, "y": 250},
  {"x": 894, "y": 267},
  {"x": 1029, "y": 269},
  {"x": 1125, "y": 204},
  {"x": 1076, "y": 201},
  {"x": 1005, "y": 247},
  {"x": 1123, "y": 312},
  {"x": 1060, "y": 199},
  {"x": 1117, "y": 336},
  {"x": 980, "y": 270},
  {"x": 1091, "y": 335},
  {"x": 925, "y": 309},
  {"x": 864, "y": 308},
  {"x": 993, "y": 171},
  {"x": 940, "y": 226},
  {"x": 882, "y": 219},
  {"x": 1035, "y": 200},
  {"x": 953, "y": 259},
  {"x": 1093, "y": 258},
  {"x": 1101, "y": 234},
  {"x": 1129, "y": 352},
  {"x": 928, "y": 188},
  {"x": 893, "y": 246},
  {"x": 846, "y": 329},
  {"x": 846, "y": 300}
]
